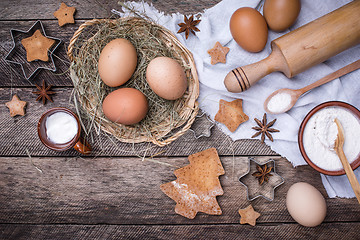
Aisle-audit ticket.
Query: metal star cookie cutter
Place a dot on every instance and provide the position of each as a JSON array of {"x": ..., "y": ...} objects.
[
  {"x": 253, "y": 188},
  {"x": 17, "y": 54},
  {"x": 202, "y": 125}
]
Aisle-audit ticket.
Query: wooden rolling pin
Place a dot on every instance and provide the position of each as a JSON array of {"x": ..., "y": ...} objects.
[{"x": 303, "y": 48}]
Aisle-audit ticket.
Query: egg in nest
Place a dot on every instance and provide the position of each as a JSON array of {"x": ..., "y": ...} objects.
[
  {"x": 166, "y": 77},
  {"x": 117, "y": 62},
  {"x": 126, "y": 106}
]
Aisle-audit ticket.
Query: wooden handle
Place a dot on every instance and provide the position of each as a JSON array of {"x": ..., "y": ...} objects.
[
  {"x": 242, "y": 78},
  {"x": 82, "y": 146},
  {"x": 349, "y": 173},
  {"x": 341, "y": 72}
]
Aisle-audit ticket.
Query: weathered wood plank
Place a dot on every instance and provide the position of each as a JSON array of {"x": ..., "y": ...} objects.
[
  {"x": 42, "y": 9},
  {"x": 326, "y": 231},
  {"x": 21, "y": 134},
  {"x": 126, "y": 191}
]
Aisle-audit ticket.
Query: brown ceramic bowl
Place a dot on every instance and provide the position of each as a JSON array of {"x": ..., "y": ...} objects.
[
  {"x": 352, "y": 109},
  {"x": 42, "y": 130}
]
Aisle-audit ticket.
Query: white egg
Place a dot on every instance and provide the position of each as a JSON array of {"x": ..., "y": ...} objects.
[{"x": 306, "y": 204}]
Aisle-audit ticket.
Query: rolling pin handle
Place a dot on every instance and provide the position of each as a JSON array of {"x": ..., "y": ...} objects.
[{"x": 242, "y": 78}]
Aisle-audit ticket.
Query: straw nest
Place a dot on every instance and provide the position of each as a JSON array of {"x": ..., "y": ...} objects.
[{"x": 166, "y": 120}]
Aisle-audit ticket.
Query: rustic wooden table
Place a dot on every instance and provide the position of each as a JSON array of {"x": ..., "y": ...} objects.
[{"x": 112, "y": 194}]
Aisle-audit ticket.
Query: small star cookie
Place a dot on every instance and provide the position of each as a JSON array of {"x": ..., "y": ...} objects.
[
  {"x": 16, "y": 106},
  {"x": 65, "y": 14},
  {"x": 218, "y": 53},
  {"x": 248, "y": 215},
  {"x": 231, "y": 114},
  {"x": 37, "y": 47}
]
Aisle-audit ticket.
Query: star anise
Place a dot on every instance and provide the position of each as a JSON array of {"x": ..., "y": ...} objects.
[
  {"x": 263, "y": 173},
  {"x": 189, "y": 26},
  {"x": 264, "y": 128},
  {"x": 43, "y": 92}
]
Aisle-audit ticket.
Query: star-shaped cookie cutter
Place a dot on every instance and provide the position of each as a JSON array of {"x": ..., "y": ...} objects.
[
  {"x": 274, "y": 181},
  {"x": 17, "y": 54},
  {"x": 202, "y": 125}
]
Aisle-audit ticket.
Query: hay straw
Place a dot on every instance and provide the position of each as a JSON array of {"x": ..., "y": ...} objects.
[
  {"x": 31, "y": 161},
  {"x": 148, "y": 39}
]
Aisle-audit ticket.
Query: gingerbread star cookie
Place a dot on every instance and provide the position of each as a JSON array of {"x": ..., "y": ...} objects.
[
  {"x": 65, "y": 14},
  {"x": 218, "y": 53},
  {"x": 16, "y": 106},
  {"x": 231, "y": 114},
  {"x": 37, "y": 47},
  {"x": 248, "y": 215},
  {"x": 197, "y": 185}
]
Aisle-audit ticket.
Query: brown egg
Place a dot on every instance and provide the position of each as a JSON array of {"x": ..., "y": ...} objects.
[
  {"x": 125, "y": 105},
  {"x": 166, "y": 78},
  {"x": 117, "y": 62},
  {"x": 281, "y": 14},
  {"x": 248, "y": 28}
]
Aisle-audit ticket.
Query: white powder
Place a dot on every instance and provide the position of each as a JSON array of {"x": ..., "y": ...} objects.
[
  {"x": 320, "y": 134},
  {"x": 279, "y": 102},
  {"x": 61, "y": 127}
]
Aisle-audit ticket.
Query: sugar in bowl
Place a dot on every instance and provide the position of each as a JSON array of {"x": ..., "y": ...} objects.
[{"x": 59, "y": 129}]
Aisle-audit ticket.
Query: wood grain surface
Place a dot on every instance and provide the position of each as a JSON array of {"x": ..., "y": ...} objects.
[
  {"x": 126, "y": 191},
  {"x": 88, "y": 9},
  {"x": 114, "y": 193},
  {"x": 348, "y": 231},
  {"x": 24, "y": 130}
]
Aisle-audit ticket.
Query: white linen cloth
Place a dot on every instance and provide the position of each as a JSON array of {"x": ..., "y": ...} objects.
[{"x": 214, "y": 26}]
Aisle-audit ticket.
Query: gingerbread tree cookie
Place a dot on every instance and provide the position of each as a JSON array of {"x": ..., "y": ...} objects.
[{"x": 197, "y": 185}]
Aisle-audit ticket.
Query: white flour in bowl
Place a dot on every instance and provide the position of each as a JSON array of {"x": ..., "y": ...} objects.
[{"x": 320, "y": 134}]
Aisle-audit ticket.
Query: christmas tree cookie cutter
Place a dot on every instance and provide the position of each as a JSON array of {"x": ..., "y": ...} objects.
[
  {"x": 253, "y": 188},
  {"x": 17, "y": 54}
]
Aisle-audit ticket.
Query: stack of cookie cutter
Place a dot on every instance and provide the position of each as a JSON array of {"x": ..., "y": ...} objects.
[
  {"x": 266, "y": 190},
  {"x": 17, "y": 55}
]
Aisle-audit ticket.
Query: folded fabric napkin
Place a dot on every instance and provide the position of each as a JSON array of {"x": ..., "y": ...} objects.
[{"x": 214, "y": 27}]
